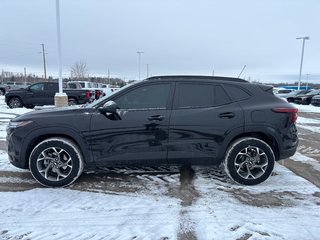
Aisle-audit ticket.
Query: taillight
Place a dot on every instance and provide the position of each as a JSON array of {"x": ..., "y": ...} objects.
[
  {"x": 88, "y": 94},
  {"x": 293, "y": 112}
]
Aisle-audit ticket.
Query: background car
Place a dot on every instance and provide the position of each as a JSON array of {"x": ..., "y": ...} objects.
[
  {"x": 315, "y": 101},
  {"x": 290, "y": 96},
  {"x": 305, "y": 99}
]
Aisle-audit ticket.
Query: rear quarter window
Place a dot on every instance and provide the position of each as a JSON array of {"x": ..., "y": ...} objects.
[{"x": 236, "y": 93}]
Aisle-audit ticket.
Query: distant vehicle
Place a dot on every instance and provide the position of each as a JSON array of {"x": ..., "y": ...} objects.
[
  {"x": 5, "y": 87},
  {"x": 315, "y": 100},
  {"x": 165, "y": 120},
  {"x": 290, "y": 96},
  {"x": 283, "y": 92},
  {"x": 72, "y": 85},
  {"x": 305, "y": 99},
  {"x": 108, "y": 89},
  {"x": 43, "y": 93},
  {"x": 93, "y": 87}
]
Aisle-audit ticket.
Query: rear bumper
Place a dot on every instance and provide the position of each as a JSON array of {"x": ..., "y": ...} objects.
[{"x": 286, "y": 153}]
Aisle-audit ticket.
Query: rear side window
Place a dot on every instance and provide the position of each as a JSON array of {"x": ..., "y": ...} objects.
[
  {"x": 195, "y": 95},
  {"x": 236, "y": 93}
]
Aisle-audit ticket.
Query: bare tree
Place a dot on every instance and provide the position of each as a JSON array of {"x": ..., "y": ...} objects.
[{"x": 79, "y": 70}]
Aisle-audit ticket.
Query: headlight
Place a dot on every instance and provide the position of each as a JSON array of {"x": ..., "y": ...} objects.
[{"x": 18, "y": 124}]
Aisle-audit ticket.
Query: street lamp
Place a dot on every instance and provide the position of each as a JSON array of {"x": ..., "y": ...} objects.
[
  {"x": 60, "y": 98},
  {"x": 140, "y": 63},
  {"x": 304, "y": 39}
]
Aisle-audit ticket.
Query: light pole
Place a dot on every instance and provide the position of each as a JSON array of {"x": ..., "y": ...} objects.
[
  {"x": 140, "y": 63},
  {"x": 303, "y": 41},
  {"x": 60, "y": 98}
]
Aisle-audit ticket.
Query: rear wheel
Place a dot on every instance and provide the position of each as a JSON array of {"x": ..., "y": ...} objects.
[
  {"x": 56, "y": 162},
  {"x": 249, "y": 161},
  {"x": 15, "y": 103},
  {"x": 72, "y": 101}
]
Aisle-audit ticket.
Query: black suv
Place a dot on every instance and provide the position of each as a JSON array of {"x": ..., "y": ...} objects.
[{"x": 166, "y": 120}]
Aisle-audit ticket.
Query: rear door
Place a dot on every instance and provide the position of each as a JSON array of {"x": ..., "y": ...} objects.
[{"x": 202, "y": 116}]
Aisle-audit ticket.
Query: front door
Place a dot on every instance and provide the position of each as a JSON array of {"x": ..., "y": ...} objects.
[{"x": 141, "y": 135}]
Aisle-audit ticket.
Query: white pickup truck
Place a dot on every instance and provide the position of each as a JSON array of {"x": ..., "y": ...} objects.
[{"x": 95, "y": 91}]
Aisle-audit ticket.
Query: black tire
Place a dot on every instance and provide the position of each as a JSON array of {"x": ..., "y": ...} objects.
[
  {"x": 249, "y": 161},
  {"x": 56, "y": 162},
  {"x": 72, "y": 101},
  {"x": 29, "y": 106},
  {"x": 2, "y": 92},
  {"x": 15, "y": 103}
]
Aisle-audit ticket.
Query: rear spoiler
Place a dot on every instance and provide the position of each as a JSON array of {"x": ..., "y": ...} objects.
[{"x": 266, "y": 88}]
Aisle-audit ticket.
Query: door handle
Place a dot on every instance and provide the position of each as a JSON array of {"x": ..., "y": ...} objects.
[
  {"x": 156, "y": 118},
  {"x": 227, "y": 115}
]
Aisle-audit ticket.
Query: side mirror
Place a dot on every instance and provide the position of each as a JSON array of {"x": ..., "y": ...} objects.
[{"x": 109, "y": 107}]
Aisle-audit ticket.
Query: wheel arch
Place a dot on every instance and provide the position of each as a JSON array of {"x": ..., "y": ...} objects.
[
  {"x": 270, "y": 140},
  {"x": 40, "y": 135}
]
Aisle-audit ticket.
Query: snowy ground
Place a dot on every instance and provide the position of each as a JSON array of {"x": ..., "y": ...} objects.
[{"x": 161, "y": 204}]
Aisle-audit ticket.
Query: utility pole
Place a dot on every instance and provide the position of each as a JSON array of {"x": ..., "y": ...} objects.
[
  {"x": 304, "y": 39},
  {"x": 109, "y": 76},
  {"x": 25, "y": 74},
  {"x": 307, "y": 81},
  {"x": 140, "y": 64},
  {"x": 44, "y": 62}
]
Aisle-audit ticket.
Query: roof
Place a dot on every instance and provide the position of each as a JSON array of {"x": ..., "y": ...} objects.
[{"x": 194, "y": 78}]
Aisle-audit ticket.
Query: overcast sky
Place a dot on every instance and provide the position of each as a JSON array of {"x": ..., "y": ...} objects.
[{"x": 176, "y": 36}]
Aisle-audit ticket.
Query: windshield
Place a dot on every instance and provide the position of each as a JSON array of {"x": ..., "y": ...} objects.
[{"x": 101, "y": 100}]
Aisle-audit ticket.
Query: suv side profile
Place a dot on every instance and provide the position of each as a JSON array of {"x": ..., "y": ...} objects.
[{"x": 165, "y": 120}]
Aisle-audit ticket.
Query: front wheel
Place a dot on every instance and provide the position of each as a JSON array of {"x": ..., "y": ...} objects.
[
  {"x": 56, "y": 162},
  {"x": 2, "y": 92},
  {"x": 15, "y": 103},
  {"x": 249, "y": 161}
]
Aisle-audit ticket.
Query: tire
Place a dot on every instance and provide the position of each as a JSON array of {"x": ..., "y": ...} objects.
[
  {"x": 2, "y": 92},
  {"x": 72, "y": 101},
  {"x": 29, "y": 106},
  {"x": 15, "y": 103},
  {"x": 56, "y": 162},
  {"x": 243, "y": 164}
]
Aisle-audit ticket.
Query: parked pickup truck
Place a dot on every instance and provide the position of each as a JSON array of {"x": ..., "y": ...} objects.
[{"x": 43, "y": 93}]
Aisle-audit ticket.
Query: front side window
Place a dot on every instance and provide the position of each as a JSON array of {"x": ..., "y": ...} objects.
[
  {"x": 37, "y": 87},
  {"x": 145, "y": 97}
]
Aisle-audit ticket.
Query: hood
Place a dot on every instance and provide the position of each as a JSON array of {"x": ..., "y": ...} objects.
[
  {"x": 54, "y": 112},
  {"x": 16, "y": 91}
]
